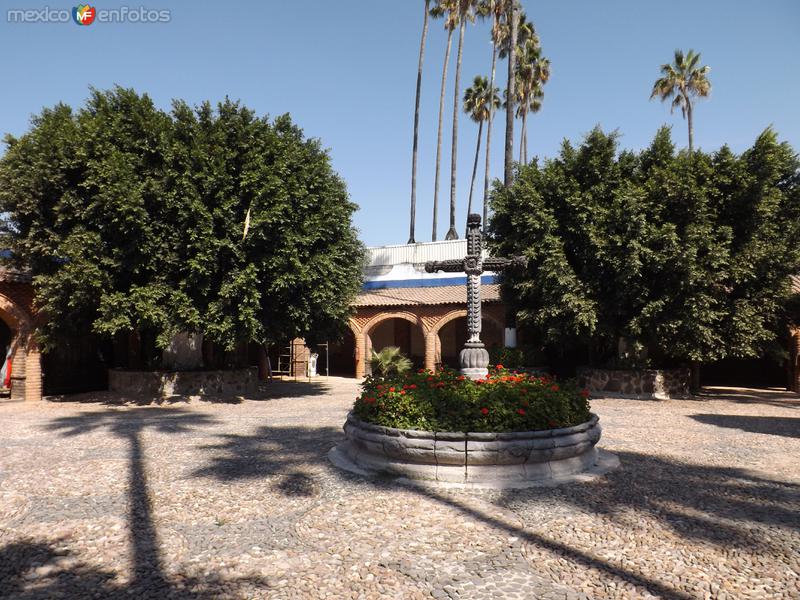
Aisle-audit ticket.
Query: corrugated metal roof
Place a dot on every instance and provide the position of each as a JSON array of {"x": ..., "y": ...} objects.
[
  {"x": 451, "y": 294},
  {"x": 416, "y": 253}
]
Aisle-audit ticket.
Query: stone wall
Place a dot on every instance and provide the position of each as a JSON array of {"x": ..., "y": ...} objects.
[
  {"x": 233, "y": 382},
  {"x": 642, "y": 384}
]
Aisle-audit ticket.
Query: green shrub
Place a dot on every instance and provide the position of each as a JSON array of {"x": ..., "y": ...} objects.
[
  {"x": 516, "y": 358},
  {"x": 447, "y": 401},
  {"x": 389, "y": 362}
]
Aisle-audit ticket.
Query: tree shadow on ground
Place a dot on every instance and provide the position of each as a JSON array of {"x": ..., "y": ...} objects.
[
  {"x": 276, "y": 390},
  {"x": 770, "y": 396},
  {"x": 780, "y": 426},
  {"x": 148, "y": 578},
  {"x": 713, "y": 504},
  {"x": 287, "y": 388},
  {"x": 36, "y": 570}
]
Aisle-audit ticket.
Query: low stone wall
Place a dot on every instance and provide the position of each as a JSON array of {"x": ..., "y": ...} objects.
[
  {"x": 233, "y": 382},
  {"x": 495, "y": 460},
  {"x": 640, "y": 384}
]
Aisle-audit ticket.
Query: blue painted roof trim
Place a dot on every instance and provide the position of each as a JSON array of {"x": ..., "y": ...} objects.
[{"x": 412, "y": 283}]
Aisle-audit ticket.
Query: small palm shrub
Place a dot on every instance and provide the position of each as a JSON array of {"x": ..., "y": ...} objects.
[
  {"x": 447, "y": 401},
  {"x": 389, "y": 362}
]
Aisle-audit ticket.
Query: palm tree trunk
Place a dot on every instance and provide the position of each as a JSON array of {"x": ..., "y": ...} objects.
[
  {"x": 475, "y": 168},
  {"x": 452, "y": 234},
  {"x": 416, "y": 126},
  {"x": 489, "y": 129},
  {"x": 439, "y": 134},
  {"x": 509, "y": 158},
  {"x": 525, "y": 138},
  {"x": 689, "y": 119},
  {"x": 523, "y": 121}
]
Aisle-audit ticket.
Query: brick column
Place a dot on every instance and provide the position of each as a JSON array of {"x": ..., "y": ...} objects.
[
  {"x": 33, "y": 375},
  {"x": 795, "y": 357},
  {"x": 430, "y": 350},
  {"x": 360, "y": 355}
]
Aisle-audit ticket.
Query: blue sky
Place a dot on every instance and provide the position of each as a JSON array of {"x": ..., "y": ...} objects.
[{"x": 346, "y": 71}]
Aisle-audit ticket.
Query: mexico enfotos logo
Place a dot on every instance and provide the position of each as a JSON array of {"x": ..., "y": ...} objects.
[{"x": 85, "y": 14}]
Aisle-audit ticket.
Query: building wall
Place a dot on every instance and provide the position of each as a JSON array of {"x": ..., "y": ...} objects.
[{"x": 16, "y": 310}]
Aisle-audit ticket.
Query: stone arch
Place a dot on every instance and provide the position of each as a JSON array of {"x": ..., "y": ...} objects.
[{"x": 26, "y": 370}]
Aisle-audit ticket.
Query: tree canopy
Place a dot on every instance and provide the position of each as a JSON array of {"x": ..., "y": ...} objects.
[
  {"x": 686, "y": 255},
  {"x": 210, "y": 220}
]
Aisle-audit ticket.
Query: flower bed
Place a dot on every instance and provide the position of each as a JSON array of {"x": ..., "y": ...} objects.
[
  {"x": 504, "y": 401},
  {"x": 508, "y": 430}
]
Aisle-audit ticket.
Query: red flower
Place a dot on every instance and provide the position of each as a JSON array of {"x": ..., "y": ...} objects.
[
  {"x": 380, "y": 386},
  {"x": 461, "y": 378},
  {"x": 554, "y": 387},
  {"x": 484, "y": 411},
  {"x": 498, "y": 367},
  {"x": 585, "y": 393},
  {"x": 430, "y": 379},
  {"x": 369, "y": 400},
  {"x": 413, "y": 386},
  {"x": 391, "y": 389},
  {"x": 521, "y": 411},
  {"x": 402, "y": 392},
  {"x": 421, "y": 371}
]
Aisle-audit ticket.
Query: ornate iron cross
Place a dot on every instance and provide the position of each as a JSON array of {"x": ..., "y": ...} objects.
[{"x": 474, "y": 359}]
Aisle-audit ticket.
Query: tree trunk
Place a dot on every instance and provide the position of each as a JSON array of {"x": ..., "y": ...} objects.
[
  {"x": 452, "y": 234},
  {"x": 439, "y": 134},
  {"x": 489, "y": 132},
  {"x": 509, "y": 157},
  {"x": 695, "y": 377},
  {"x": 416, "y": 126},
  {"x": 475, "y": 168},
  {"x": 689, "y": 119},
  {"x": 525, "y": 138},
  {"x": 522, "y": 134}
]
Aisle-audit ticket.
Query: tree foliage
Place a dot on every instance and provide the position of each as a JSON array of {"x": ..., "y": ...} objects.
[
  {"x": 209, "y": 219},
  {"x": 687, "y": 255}
]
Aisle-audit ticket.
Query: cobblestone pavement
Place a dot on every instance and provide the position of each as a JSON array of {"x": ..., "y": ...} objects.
[{"x": 108, "y": 498}]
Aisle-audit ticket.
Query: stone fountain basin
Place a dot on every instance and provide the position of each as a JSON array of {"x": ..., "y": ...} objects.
[{"x": 516, "y": 459}]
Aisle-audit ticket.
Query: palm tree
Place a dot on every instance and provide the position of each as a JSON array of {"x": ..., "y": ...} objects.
[
  {"x": 388, "y": 362},
  {"x": 446, "y": 9},
  {"x": 416, "y": 124},
  {"x": 533, "y": 71},
  {"x": 497, "y": 10},
  {"x": 683, "y": 79},
  {"x": 512, "y": 17},
  {"x": 479, "y": 102},
  {"x": 465, "y": 11}
]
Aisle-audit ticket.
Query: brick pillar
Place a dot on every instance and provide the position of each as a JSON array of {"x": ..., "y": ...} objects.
[
  {"x": 796, "y": 363},
  {"x": 18, "y": 368},
  {"x": 33, "y": 375},
  {"x": 360, "y": 339},
  {"x": 430, "y": 350}
]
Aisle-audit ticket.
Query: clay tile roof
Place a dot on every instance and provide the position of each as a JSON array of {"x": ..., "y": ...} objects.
[
  {"x": 14, "y": 276},
  {"x": 795, "y": 283},
  {"x": 421, "y": 296}
]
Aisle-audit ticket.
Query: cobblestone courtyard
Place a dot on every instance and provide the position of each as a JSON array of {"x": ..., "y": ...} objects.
[{"x": 111, "y": 499}]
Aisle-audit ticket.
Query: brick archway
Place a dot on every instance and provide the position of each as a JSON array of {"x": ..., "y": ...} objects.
[
  {"x": 363, "y": 342},
  {"x": 433, "y": 342},
  {"x": 26, "y": 370}
]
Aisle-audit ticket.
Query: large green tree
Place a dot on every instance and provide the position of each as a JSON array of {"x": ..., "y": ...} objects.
[
  {"x": 688, "y": 256},
  {"x": 210, "y": 220}
]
